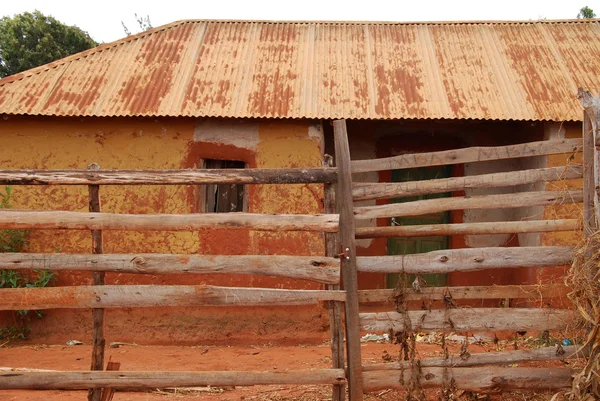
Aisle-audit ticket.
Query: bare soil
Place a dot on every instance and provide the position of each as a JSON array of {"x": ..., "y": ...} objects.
[{"x": 205, "y": 358}]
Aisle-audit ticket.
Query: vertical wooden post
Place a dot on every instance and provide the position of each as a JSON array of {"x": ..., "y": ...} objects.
[
  {"x": 98, "y": 279},
  {"x": 591, "y": 160},
  {"x": 335, "y": 308},
  {"x": 589, "y": 217},
  {"x": 345, "y": 208}
]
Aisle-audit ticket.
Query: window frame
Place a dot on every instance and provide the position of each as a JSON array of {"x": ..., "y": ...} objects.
[{"x": 201, "y": 198}]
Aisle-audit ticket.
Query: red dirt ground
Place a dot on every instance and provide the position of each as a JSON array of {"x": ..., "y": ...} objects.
[{"x": 170, "y": 358}]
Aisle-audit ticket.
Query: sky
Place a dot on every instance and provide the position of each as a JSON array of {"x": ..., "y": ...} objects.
[{"x": 102, "y": 19}]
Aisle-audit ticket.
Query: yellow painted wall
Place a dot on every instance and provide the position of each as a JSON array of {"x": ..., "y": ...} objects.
[{"x": 117, "y": 143}]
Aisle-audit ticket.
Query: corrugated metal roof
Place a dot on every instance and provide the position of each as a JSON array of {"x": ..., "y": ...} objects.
[{"x": 455, "y": 70}]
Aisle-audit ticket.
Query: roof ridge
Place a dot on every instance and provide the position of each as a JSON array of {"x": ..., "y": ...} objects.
[
  {"x": 350, "y": 22},
  {"x": 130, "y": 38}
]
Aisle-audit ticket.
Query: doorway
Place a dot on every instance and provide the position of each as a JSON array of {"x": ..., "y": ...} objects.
[{"x": 411, "y": 245}]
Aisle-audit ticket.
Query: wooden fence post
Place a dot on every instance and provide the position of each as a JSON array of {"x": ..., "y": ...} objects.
[
  {"x": 335, "y": 308},
  {"x": 348, "y": 259},
  {"x": 591, "y": 178},
  {"x": 98, "y": 279}
]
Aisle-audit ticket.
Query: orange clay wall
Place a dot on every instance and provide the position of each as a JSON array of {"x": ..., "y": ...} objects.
[
  {"x": 562, "y": 211},
  {"x": 117, "y": 143}
]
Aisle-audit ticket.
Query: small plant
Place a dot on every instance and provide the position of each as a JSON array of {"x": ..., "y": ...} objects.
[{"x": 16, "y": 241}]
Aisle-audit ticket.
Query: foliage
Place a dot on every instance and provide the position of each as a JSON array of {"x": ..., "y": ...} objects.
[
  {"x": 143, "y": 23},
  {"x": 16, "y": 241},
  {"x": 10, "y": 240},
  {"x": 29, "y": 40},
  {"x": 586, "y": 12}
]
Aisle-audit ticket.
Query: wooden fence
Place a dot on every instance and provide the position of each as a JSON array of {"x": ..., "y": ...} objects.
[
  {"x": 340, "y": 261},
  {"x": 321, "y": 269},
  {"x": 464, "y": 374}
]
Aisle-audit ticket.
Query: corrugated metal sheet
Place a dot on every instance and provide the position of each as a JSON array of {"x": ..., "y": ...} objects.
[{"x": 472, "y": 70}]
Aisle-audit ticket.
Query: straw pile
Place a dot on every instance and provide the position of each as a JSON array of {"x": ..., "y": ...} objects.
[{"x": 584, "y": 280}]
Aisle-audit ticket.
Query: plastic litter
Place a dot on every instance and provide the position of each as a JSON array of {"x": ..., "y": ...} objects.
[{"x": 374, "y": 338}]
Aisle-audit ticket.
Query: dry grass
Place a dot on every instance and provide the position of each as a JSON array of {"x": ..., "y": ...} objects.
[{"x": 584, "y": 280}]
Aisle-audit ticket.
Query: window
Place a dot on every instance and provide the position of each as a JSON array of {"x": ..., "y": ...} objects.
[{"x": 223, "y": 198}]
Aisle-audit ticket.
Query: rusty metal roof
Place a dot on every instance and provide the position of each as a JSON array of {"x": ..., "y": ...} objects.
[{"x": 526, "y": 70}]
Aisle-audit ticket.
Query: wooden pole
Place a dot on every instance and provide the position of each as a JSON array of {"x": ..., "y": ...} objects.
[
  {"x": 386, "y": 190},
  {"x": 529, "y": 292},
  {"x": 496, "y": 227},
  {"x": 98, "y": 341},
  {"x": 314, "y": 268},
  {"x": 490, "y": 358},
  {"x": 468, "y": 259},
  {"x": 589, "y": 217},
  {"x": 468, "y": 155},
  {"x": 502, "y": 201},
  {"x": 591, "y": 106},
  {"x": 335, "y": 308},
  {"x": 492, "y": 379},
  {"x": 61, "y": 220},
  {"x": 168, "y": 177},
  {"x": 472, "y": 320},
  {"x": 152, "y": 380},
  {"x": 137, "y": 296},
  {"x": 348, "y": 259}
]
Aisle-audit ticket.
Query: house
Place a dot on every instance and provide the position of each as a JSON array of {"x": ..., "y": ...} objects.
[{"x": 227, "y": 94}]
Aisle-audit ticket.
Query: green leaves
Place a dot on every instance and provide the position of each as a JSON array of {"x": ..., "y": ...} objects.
[
  {"x": 16, "y": 241},
  {"x": 586, "y": 12},
  {"x": 29, "y": 40}
]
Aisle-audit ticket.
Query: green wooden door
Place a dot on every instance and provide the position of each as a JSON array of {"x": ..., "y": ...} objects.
[{"x": 408, "y": 245}]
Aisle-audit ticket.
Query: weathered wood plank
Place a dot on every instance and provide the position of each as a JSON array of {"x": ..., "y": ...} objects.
[
  {"x": 468, "y": 259},
  {"x": 503, "y": 201},
  {"x": 315, "y": 268},
  {"x": 489, "y": 380},
  {"x": 489, "y": 358},
  {"x": 468, "y": 292},
  {"x": 466, "y": 319},
  {"x": 496, "y": 227},
  {"x": 138, "y": 296},
  {"x": 169, "y": 177},
  {"x": 589, "y": 192},
  {"x": 591, "y": 107},
  {"x": 98, "y": 341},
  {"x": 336, "y": 325},
  {"x": 348, "y": 261},
  {"x": 20, "y": 220},
  {"x": 386, "y": 190},
  {"x": 153, "y": 380},
  {"x": 468, "y": 155}
]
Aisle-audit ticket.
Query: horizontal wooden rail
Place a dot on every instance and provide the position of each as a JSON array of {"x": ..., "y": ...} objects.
[
  {"x": 503, "y": 201},
  {"x": 21, "y": 219},
  {"x": 128, "y": 380},
  {"x": 467, "y": 155},
  {"x": 468, "y": 292},
  {"x": 490, "y": 380},
  {"x": 138, "y": 296},
  {"x": 386, "y": 190},
  {"x": 465, "y": 319},
  {"x": 169, "y": 177},
  {"x": 490, "y": 358},
  {"x": 496, "y": 227},
  {"x": 316, "y": 268},
  {"x": 468, "y": 259}
]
